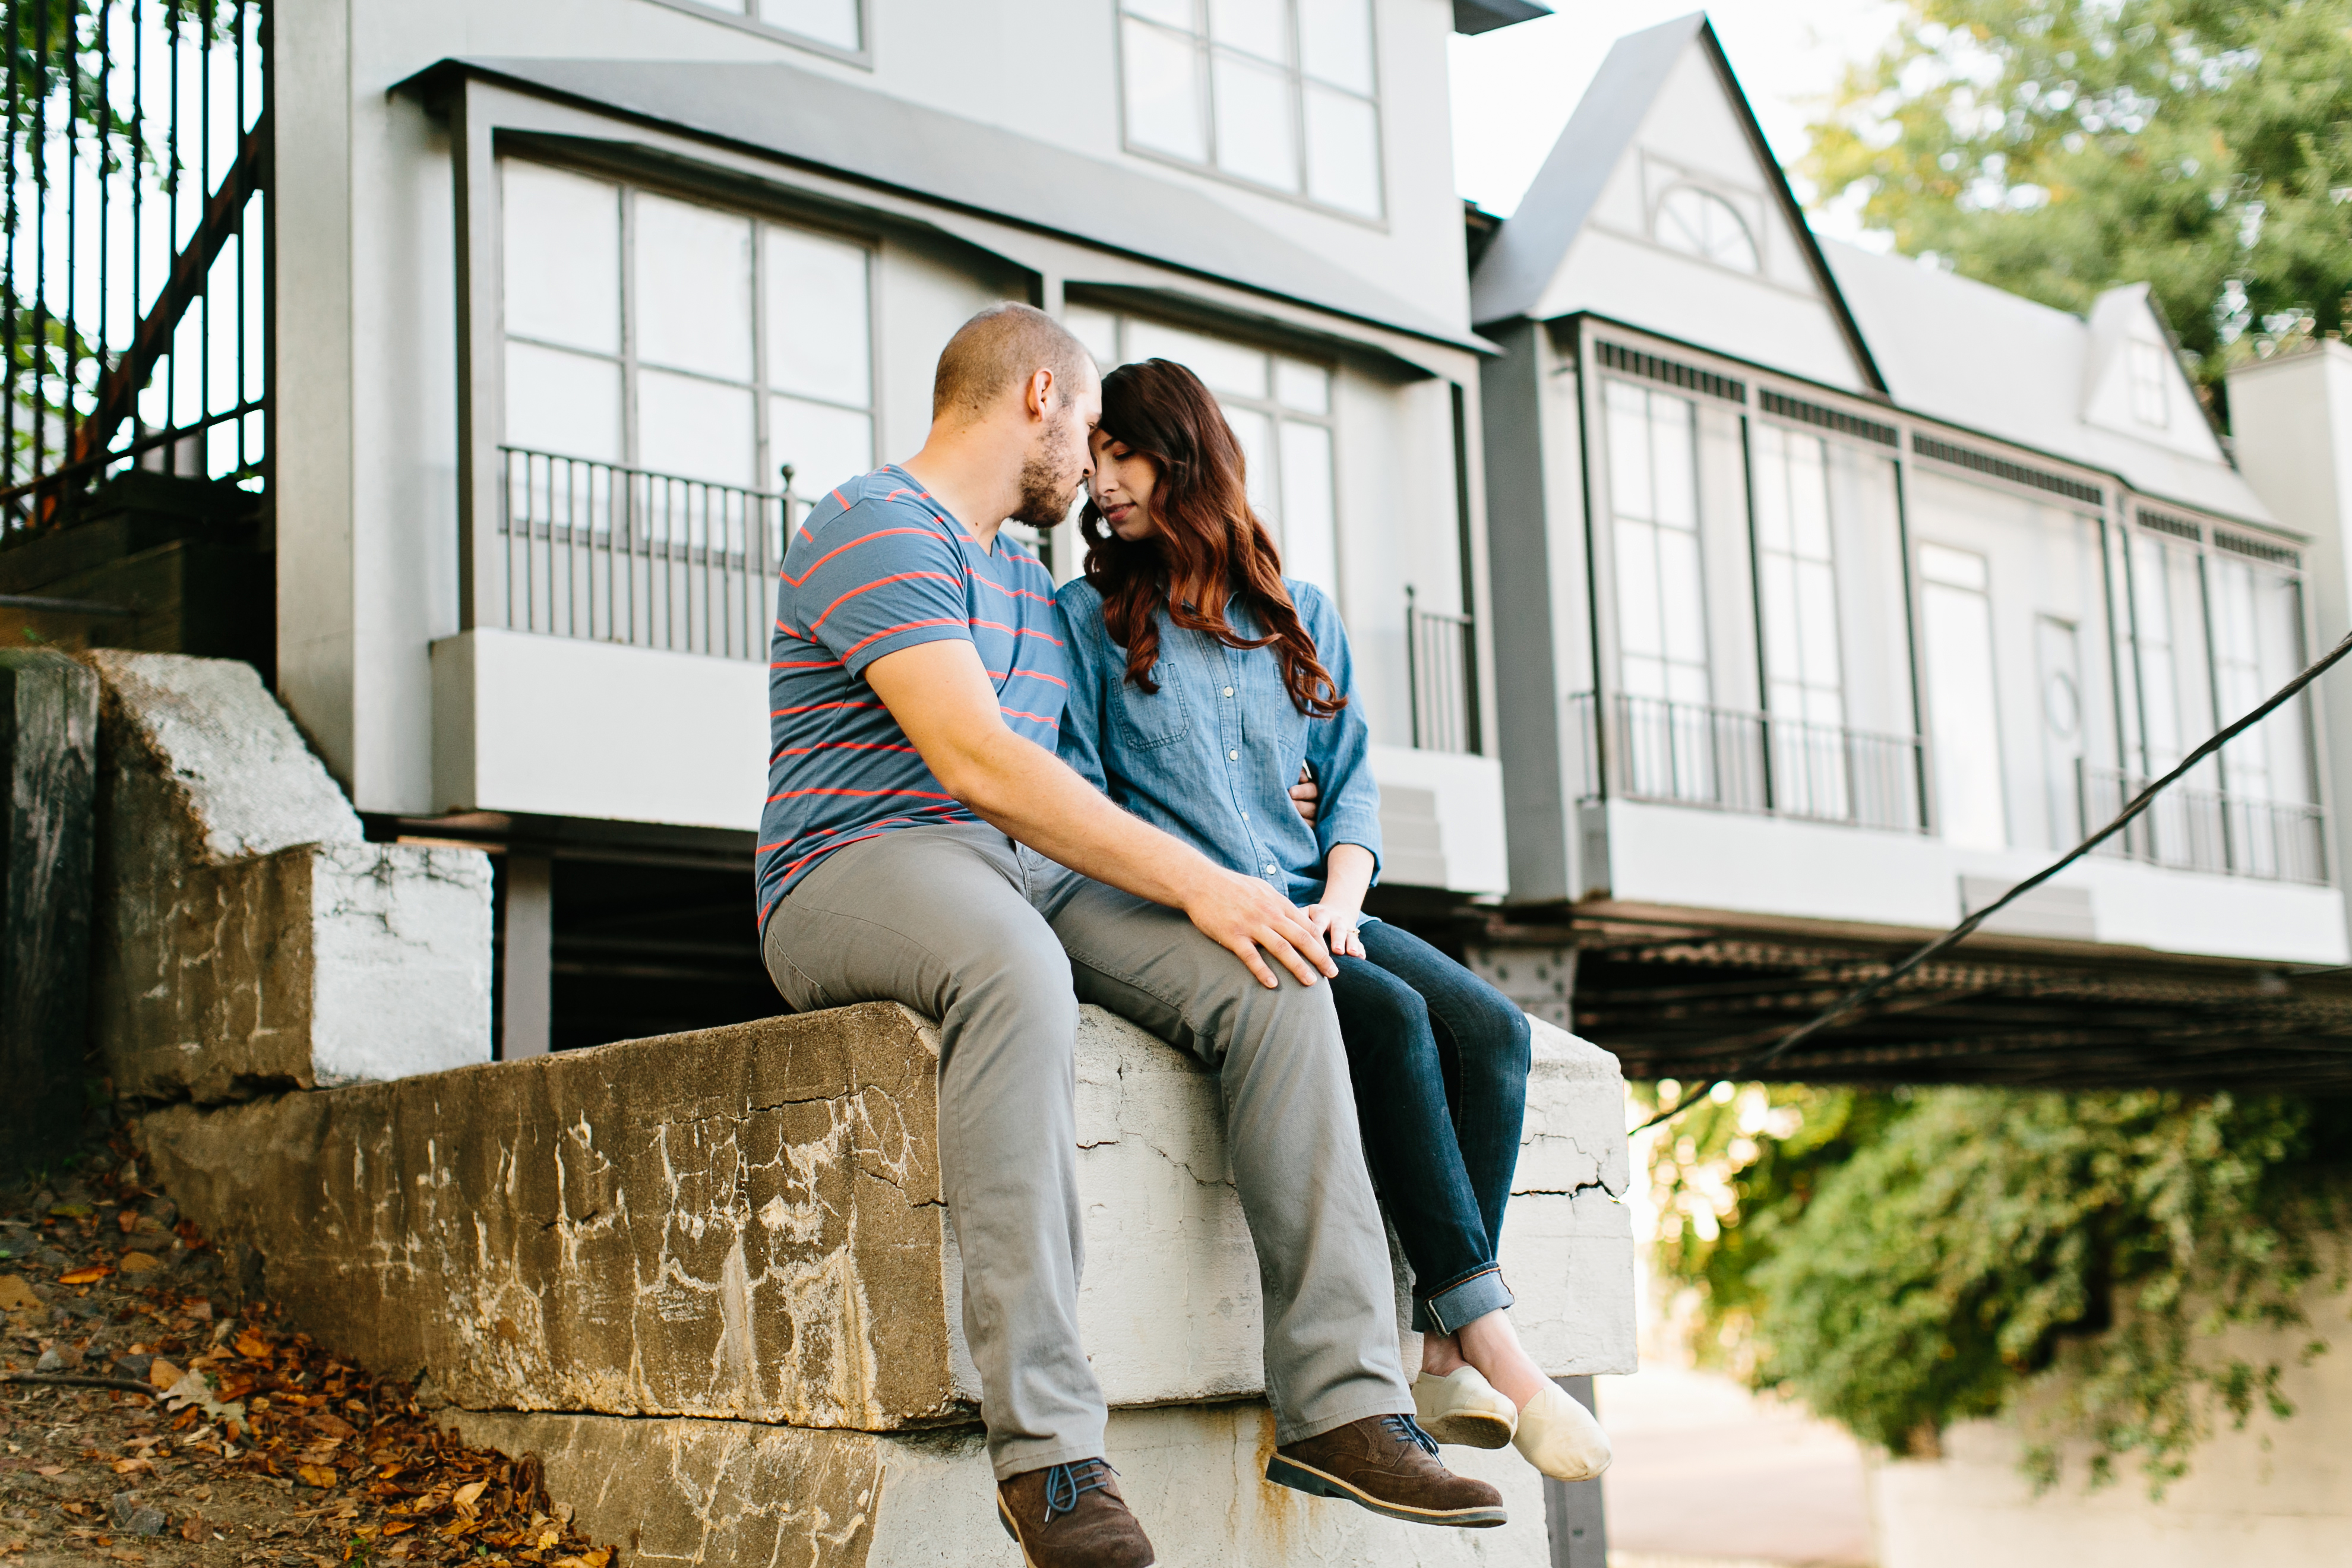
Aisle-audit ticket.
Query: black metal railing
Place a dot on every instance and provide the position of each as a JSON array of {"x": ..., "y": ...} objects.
[
  {"x": 2208, "y": 830},
  {"x": 134, "y": 324},
  {"x": 1441, "y": 655},
  {"x": 620, "y": 554},
  {"x": 1733, "y": 759}
]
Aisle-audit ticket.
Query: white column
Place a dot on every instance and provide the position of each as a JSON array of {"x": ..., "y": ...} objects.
[{"x": 524, "y": 1011}]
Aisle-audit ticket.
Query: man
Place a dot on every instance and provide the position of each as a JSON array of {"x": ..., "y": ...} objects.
[{"x": 921, "y": 843}]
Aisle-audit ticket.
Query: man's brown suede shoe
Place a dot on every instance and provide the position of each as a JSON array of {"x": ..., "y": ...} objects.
[
  {"x": 1071, "y": 1516},
  {"x": 1388, "y": 1465}
]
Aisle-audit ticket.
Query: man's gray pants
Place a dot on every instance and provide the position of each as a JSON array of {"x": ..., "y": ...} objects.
[{"x": 999, "y": 946}]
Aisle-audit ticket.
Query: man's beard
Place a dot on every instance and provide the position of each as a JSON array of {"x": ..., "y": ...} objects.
[{"x": 1049, "y": 485}]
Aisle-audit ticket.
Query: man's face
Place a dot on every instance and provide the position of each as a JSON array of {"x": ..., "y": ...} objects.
[{"x": 1059, "y": 459}]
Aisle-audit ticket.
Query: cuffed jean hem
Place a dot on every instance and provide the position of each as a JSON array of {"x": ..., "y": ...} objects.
[
  {"x": 1286, "y": 1433},
  {"x": 1018, "y": 1459},
  {"x": 1464, "y": 1301}
]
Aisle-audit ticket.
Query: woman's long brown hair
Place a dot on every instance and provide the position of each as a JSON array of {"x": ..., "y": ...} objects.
[{"x": 1210, "y": 548}]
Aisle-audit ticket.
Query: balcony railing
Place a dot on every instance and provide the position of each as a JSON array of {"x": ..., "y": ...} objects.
[
  {"x": 619, "y": 554},
  {"x": 1441, "y": 652},
  {"x": 2208, "y": 830},
  {"x": 1732, "y": 760}
]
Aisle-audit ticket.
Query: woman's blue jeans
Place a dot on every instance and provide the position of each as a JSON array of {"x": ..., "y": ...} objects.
[{"x": 1439, "y": 1059}]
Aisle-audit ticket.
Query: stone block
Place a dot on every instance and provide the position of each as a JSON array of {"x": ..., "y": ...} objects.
[
  {"x": 687, "y": 1491},
  {"x": 745, "y": 1223},
  {"x": 48, "y": 751},
  {"x": 247, "y": 937}
]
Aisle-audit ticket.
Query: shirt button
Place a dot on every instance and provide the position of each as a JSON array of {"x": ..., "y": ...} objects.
[
  {"x": 1233, "y": 756},
  {"x": 1229, "y": 691},
  {"x": 1269, "y": 868}
]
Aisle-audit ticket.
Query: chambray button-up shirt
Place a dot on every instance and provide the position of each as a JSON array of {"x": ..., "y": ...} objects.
[{"x": 1212, "y": 755}]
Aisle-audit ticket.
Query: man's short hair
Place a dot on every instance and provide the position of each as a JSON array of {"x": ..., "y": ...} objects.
[{"x": 1000, "y": 347}]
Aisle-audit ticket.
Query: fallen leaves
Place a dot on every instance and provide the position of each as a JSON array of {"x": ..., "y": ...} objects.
[
  {"x": 162, "y": 1374},
  {"x": 17, "y": 1295},
  {"x": 139, "y": 1263},
  {"x": 318, "y": 1475},
  {"x": 88, "y": 1274}
]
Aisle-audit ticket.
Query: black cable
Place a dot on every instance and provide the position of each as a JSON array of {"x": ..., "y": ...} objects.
[{"x": 1854, "y": 1000}]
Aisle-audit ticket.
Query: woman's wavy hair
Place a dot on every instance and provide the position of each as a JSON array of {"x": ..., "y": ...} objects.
[{"x": 1210, "y": 548}]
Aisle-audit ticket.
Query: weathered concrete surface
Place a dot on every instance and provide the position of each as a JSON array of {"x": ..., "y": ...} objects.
[
  {"x": 48, "y": 758},
  {"x": 246, "y": 936},
  {"x": 746, "y": 1223},
  {"x": 733, "y": 1493}
]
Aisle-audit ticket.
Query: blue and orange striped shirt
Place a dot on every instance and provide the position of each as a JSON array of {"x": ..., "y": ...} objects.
[{"x": 876, "y": 566}]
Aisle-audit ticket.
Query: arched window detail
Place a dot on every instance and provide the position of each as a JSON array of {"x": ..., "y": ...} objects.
[{"x": 1702, "y": 223}]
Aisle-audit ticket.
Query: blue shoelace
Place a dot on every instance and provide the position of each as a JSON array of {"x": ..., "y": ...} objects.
[
  {"x": 1405, "y": 1429},
  {"x": 1064, "y": 1484}
]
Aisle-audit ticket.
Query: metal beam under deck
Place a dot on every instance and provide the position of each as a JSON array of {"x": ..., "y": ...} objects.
[{"x": 1694, "y": 994}]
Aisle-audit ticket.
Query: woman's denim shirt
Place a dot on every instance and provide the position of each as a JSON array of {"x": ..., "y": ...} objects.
[{"x": 1212, "y": 755}]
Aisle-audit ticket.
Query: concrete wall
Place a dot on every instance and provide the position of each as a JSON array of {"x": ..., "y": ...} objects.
[
  {"x": 2278, "y": 1493},
  {"x": 246, "y": 936}
]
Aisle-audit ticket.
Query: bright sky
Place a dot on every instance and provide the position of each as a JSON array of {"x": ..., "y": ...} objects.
[{"x": 1515, "y": 87}]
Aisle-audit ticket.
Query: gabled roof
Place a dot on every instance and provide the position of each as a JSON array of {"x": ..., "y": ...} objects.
[
  {"x": 1527, "y": 253},
  {"x": 823, "y": 123},
  {"x": 1987, "y": 359},
  {"x": 1485, "y": 15}
]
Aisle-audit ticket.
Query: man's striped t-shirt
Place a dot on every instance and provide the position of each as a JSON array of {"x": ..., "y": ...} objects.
[{"x": 878, "y": 565}]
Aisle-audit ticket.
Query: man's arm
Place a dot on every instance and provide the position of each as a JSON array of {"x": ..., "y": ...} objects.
[{"x": 941, "y": 696}]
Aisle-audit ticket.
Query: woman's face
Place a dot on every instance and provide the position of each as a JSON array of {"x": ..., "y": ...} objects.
[{"x": 1122, "y": 486}]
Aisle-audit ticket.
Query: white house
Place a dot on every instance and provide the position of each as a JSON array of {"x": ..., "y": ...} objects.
[{"x": 1835, "y": 593}]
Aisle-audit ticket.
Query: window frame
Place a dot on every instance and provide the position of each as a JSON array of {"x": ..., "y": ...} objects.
[
  {"x": 1296, "y": 79},
  {"x": 628, "y": 184},
  {"x": 861, "y": 57},
  {"x": 1747, "y": 230}
]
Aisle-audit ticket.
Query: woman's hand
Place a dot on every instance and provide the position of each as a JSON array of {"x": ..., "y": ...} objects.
[{"x": 1337, "y": 924}]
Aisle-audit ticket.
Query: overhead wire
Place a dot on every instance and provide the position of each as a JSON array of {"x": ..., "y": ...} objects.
[{"x": 1860, "y": 995}]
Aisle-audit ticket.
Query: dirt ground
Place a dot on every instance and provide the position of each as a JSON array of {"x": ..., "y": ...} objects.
[{"x": 256, "y": 1447}]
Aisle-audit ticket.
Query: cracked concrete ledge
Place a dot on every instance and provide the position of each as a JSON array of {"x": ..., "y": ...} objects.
[
  {"x": 680, "y": 1492},
  {"x": 244, "y": 934},
  {"x": 745, "y": 1223}
]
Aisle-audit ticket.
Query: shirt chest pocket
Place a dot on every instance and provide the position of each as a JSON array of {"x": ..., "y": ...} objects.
[{"x": 1149, "y": 719}]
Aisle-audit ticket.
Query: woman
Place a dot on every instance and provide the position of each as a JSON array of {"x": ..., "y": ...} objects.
[{"x": 1203, "y": 681}]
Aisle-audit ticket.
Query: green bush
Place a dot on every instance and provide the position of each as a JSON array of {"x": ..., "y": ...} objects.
[{"x": 1903, "y": 1261}]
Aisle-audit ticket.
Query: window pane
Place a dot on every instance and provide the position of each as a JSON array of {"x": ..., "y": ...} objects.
[
  {"x": 1772, "y": 488},
  {"x": 1099, "y": 330},
  {"x": 1629, "y": 451},
  {"x": 818, "y": 340},
  {"x": 1306, "y": 387},
  {"x": 1261, "y": 28},
  {"x": 1639, "y": 631},
  {"x": 1223, "y": 366},
  {"x": 1163, "y": 92},
  {"x": 694, "y": 428},
  {"x": 1343, "y": 151},
  {"x": 1673, "y": 439},
  {"x": 1255, "y": 431},
  {"x": 1253, "y": 117},
  {"x": 692, "y": 288},
  {"x": 828, "y": 21},
  {"x": 825, "y": 446},
  {"x": 1684, "y": 615},
  {"x": 562, "y": 257},
  {"x": 1335, "y": 42},
  {"x": 1938, "y": 563},
  {"x": 1959, "y": 634},
  {"x": 1310, "y": 544},
  {"x": 565, "y": 403},
  {"x": 1175, "y": 12}
]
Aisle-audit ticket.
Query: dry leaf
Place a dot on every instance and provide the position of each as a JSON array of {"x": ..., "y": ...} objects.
[
  {"x": 598, "y": 1558},
  {"x": 162, "y": 1374},
  {"x": 252, "y": 1346},
  {"x": 317, "y": 1475},
  {"x": 89, "y": 1275},
  {"x": 48, "y": 1470},
  {"x": 139, "y": 1263},
  {"x": 396, "y": 1528},
  {"x": 469, "y": 1494},
  {"x": 17, "y": 1295},
  {"x": 192, "y": 1389},
  {"x": 132, "y": 1467}
]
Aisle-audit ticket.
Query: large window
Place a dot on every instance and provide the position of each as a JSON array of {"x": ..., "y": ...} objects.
[
  {"x": 687, "y": 340},
  {"x": 837, "y": 23},
  {"x": 1955, "y": 622},
  {"x": 1654, "y": 497},
  {"x": 1280, "y": 409},
  {"x": 1282, "y": 93},
  {"x": 1795, "y": 579}
]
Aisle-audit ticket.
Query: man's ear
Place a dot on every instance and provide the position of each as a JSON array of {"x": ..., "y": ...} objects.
[{"x": 1038, "y": 398}]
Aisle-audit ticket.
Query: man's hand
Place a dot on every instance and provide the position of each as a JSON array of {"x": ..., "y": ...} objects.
[
  {"x": 1305, "y": 795},
  {"x": 943, "y": 700}
]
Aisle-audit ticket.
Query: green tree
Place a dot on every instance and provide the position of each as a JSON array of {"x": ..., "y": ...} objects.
[
  {"x": 1901, "y": 1262},
  {"x": 2056, "y": 148}
]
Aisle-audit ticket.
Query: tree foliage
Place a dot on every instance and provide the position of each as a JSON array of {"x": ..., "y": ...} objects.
[
  {"x": 2056, "y": 148},
  {"x": 1905, "y": 1261}
]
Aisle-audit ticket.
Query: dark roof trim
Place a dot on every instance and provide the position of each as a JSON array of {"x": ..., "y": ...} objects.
[
  {"x": 1526, "y": 252},
  {"x": 818, "y": 122},
  {"x": 1563, "y": 329},
  {"x": 1485, "y": 15}
]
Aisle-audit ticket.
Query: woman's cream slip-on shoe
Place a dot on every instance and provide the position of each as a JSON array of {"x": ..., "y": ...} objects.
[
  {"x": 1559, "y": 1437},
  {"x": 1464, "y": 1408}
]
